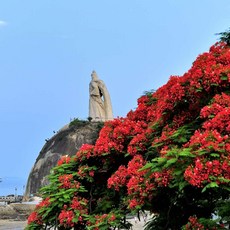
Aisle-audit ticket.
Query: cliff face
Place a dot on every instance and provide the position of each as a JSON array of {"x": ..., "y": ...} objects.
[{"x": 66, "y": 142}]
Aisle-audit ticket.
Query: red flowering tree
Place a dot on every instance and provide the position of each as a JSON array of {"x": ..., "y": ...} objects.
[{"x": 170, "y": 156}]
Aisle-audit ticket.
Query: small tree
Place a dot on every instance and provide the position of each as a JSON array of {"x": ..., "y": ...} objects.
[{"x": 225, "y": 37}]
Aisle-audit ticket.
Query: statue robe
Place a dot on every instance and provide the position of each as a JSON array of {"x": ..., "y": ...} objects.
[{"x": 100, "y": 108}]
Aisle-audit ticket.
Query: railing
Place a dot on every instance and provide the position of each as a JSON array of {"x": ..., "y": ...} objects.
[{"x": 11, "y": 199}]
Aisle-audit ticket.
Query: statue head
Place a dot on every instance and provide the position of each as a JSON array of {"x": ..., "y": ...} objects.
[{"x": 94, "y": 75}]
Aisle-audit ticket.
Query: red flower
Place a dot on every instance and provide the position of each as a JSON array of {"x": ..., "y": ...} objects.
[
  {"x": 66, "y": 218},
  {"x": 80, "y": 204},
  {"x": 205, "y": 171},
  {"x": 118, "y": 179},
  {"x": 35, "y": 218},
  {"x": 85, "y": 152},
  {"x": 194, "y": 224},
  {"x": 64, "y": 160},
  {"x": 44, "y": 203},
  {"x": 65, "y": 180},
  {"x": 112, "y": 218}
]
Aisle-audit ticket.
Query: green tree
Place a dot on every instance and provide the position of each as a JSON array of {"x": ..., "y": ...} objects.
[{"x": 225, "y": 36}]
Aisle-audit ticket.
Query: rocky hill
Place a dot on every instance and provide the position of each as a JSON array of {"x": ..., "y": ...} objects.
[{"x": 66, "y": 141}]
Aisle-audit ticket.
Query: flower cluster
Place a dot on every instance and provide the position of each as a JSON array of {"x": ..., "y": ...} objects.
[
  {"x": 102, "y": 221},
  {"x": 85, "y": 152},
  {"x": 86, "y": 172},
  {"x": 203, "y": 172},
  {"x": 132, "y": 178},
  {"x": 66, "y": 180},
  {"x": 208, "y": 141},
  {"x": 64, "y": 160},
  {"x": 34, "y": 217},
  {"x": 137, "y": 144},
  {"x": 162, "y": 178},
  {"x": 217, "y": 114},
  {"x": 44, "y": 203},
  {"x": 119, "y": 178},
  {"x": 117, "y": 133},
  {"x": 66, "y": 218},
  {"x": 79, "y": 204},
  {"x": 194, "y": 224},
  {"x": 211, "y": 145}
]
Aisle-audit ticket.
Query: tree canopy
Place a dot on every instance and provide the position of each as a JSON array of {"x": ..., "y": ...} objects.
[{"x": 225, "y": 37}]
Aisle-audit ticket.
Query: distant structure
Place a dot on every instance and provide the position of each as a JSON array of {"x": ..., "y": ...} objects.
[{"x": 100, "y": 107}]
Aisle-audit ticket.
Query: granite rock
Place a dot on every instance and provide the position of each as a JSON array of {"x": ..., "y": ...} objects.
[{"x": 66, "y": 141}]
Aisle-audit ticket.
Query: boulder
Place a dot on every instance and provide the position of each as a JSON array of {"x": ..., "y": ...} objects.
[{"x": 66, "y": 141}]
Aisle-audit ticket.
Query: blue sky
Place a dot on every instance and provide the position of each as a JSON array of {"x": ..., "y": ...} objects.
[{"x": 48, "y": 50}]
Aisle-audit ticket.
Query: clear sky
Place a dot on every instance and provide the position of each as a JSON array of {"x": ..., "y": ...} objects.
[{"x": 48, "y": 49}]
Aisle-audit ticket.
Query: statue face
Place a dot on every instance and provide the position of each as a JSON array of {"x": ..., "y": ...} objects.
[{"x": 94, "y": 75}]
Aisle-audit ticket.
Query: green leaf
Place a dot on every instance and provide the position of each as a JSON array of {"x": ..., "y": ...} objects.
[
  {"x": 199, "y": 90},
  {"x": 160, "y": 160},
  {"x": 226, "y": 188},
  {"x": 157, "y": 145},
  {"x": 224, "y": 180},
  {"x": 170, "y": 162},
  {"x": 210, "y": 185},
  {"x": 215, "y": 155},
  {"x": 224, "y": 77},
  {"x": 182, "y": 185},
  {"x": 178, "y": 172},
  {"x": 186, "y": 153},
  {"x": 147, "y": 166},
  {"x": 183, "y": 140},
  {"x": 202, "y": 152},
  {"x": 66, "y": 197}
]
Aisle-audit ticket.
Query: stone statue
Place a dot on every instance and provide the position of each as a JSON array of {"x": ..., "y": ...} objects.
[{"x": 100, "y": 108}]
